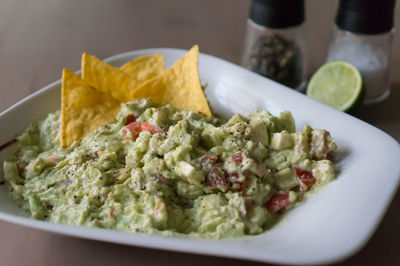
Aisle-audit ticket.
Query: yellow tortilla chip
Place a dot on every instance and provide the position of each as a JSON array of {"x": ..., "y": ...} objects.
[
  {"x": 112, "y": 80},
  {"x": 83, "y": 108},
  {"x": 145, "y": 67},
  {"x": 179, "y": 85}
]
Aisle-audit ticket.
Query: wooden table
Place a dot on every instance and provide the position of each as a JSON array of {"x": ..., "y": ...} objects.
[{"x": 39, "y": 38}]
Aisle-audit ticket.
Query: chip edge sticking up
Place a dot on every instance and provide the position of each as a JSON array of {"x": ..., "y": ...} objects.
[{"x": 165, "y": 88}]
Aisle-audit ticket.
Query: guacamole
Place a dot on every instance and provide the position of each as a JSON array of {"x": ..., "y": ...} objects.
[{"x": 171, "y": 172}]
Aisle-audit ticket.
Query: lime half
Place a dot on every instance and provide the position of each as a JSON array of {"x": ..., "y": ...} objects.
[{"x": 338, "y": 84}]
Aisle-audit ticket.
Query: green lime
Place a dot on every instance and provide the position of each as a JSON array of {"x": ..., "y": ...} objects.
[{"x": 338, "y": 84}]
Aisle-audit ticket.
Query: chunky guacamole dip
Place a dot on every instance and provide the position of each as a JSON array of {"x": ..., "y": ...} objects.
[{"x": 171, "y": 172}]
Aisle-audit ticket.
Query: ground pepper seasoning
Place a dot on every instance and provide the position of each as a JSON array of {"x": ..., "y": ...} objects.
[{"x": 275, "y": 41}]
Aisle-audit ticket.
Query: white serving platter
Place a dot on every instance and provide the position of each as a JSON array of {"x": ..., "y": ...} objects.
[{"x": 330, "y": 226}]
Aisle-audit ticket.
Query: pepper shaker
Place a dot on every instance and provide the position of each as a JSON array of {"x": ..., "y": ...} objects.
[
  {"x": 363, "y": 36},
  {"x": 275, "y": 42}
]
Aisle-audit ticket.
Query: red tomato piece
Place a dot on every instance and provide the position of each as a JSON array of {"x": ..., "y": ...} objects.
[
  {"x": 147, "y": 126},
  {"x": 209, "y": 158},
  {"x": 278, "y": 202},
  {"x": 215, "y": 178},
  {"x": 130, "y": 119},
  {"x": 237, "y": 157},
  {"x": 233, "y": 177},
  {"x": 304, "y": 178},
  {"x": 133, "y": 130},
  {"x": 234, "y": 182}
]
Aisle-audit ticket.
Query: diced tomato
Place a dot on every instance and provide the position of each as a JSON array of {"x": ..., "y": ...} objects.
[
  {"x": 278, "y": 202},
  {"x": 126, "y": 132},
  {"x": 215, "y": 178},
  {"x": 132, "y": 130},
  {"x": 304, "y": 178},
  {"x": 209, "y": 158},
  {"x": 237, "y": 157},
  {"x": 233, "y": 177},
  {"x": 162, "y": 179},
  {"x": 234, "y": 182},
  {"x": 147, "y": 126},
  {"x": 130, "y": 119}
]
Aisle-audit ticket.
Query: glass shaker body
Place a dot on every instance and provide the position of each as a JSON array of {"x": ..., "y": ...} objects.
[
  {"x": 370, "y": 53},
  {"x": 277, "y": 53}
]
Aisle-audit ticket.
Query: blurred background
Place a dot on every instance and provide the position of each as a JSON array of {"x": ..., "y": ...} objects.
[{"x": 38, "y": 38}]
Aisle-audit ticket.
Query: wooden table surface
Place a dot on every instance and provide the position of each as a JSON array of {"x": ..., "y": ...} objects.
[{"x": 40, "y": 37}]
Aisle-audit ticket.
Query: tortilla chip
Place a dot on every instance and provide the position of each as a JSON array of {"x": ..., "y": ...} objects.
[
  {"x": 114, "y": 81},
  {"x": 83, "y": 108},
  {"x": 145, "y": 67},
  {"x": 179, "y": 85}
]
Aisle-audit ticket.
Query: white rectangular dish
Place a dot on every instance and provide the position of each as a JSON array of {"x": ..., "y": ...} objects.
[{"x": 330, "y": 226}]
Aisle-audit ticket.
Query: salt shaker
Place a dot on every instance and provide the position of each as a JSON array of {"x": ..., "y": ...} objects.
[
  {"x": 275, "y": 42},
  {"x": 363, "y": 36}
]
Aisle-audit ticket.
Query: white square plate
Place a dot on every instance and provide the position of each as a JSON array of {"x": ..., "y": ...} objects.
[{"x": 330, "y": 226}]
